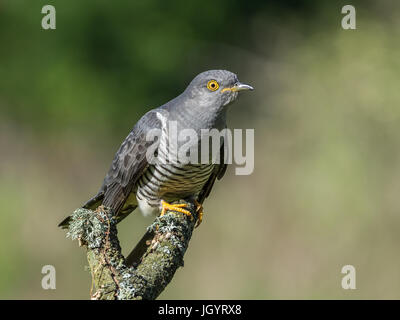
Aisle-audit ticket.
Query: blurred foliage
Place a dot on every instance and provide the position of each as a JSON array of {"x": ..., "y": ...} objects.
[
  {"x": 326, "y": 112},
  {"x": 108, "y": 62}
]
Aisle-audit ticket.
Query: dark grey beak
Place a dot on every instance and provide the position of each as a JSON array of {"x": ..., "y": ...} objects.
[{"x": 241, "y": 87}]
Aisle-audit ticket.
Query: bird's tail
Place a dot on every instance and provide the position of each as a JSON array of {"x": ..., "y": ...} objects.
[
  {"x": 91, "y": 204},
  {"x": 65, "y": 223}
]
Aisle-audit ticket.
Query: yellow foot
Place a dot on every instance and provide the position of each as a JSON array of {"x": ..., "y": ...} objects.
[
  {"x": 199, "y": 210},
  {"x": 174, "y": 207}
]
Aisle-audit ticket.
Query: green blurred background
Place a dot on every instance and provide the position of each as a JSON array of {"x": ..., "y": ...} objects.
[{"x": 325, "y": 190}]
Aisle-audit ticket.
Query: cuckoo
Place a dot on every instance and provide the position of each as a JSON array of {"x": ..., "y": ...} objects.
[{"x": 139, "y": 178}]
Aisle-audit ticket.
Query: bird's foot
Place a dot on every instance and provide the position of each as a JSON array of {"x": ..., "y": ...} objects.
[
  {"x": 174, "y": 207},
  {"x": 200, "y": 212}
]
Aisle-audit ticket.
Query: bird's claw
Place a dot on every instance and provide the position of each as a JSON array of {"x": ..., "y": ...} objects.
[
  {"x": 174, "y": 207},
  {"x": 200, "y": 212}
]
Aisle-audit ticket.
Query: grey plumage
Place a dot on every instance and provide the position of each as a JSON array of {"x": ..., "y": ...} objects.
[{"x": 133, "y": 180}]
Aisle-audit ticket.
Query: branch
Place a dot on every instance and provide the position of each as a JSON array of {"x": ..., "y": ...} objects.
[{"x": 113, "y": 277}]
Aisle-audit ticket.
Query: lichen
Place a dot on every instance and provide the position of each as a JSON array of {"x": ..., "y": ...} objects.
[
  {"x": 90, "y": 227},
  {"x": 112, "y": 278}
]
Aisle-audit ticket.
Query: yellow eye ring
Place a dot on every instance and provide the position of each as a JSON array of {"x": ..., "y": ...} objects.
[{"x": 212, "y": 85}]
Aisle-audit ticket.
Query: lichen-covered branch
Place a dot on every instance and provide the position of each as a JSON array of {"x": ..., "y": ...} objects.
[{"x": 113, "y": 277}]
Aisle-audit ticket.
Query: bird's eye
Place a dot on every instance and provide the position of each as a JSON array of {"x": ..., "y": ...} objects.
[{"x": 212, "y": 85}]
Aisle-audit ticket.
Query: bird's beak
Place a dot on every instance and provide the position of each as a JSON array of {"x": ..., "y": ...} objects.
[
  {"x": 238, "y": 87},
  {"x": 241, "y": 86}
]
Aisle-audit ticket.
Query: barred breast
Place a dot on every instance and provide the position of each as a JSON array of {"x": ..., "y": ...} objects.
[{"x": 170, "y": 182}]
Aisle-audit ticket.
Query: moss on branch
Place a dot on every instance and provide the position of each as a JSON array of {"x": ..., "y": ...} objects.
[{"x": 112, "y": 276}]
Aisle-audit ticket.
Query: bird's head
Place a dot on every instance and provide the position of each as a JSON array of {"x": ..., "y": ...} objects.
[{"x": 216, "y": 88}]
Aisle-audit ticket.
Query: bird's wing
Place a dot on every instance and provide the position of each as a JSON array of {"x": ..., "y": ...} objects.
[
  {"x": 129, "y": 163},
  {"x": 218, "y": 173}
]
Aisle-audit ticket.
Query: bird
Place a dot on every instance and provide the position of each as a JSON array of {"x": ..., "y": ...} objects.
[{"x": 136, "y": 179}]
